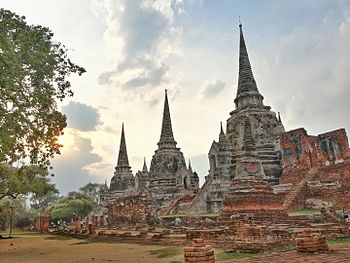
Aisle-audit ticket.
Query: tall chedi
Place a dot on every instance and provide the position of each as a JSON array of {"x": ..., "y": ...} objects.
[
  {"x": 266, "y": 128},
  {"x": 123, "y": 179},
  {"x": 168, "y": 174},
  {"x": 262, "y": 141}
]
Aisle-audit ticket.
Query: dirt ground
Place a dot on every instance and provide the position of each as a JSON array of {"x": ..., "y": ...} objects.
[{"x": 47, "y": 249}]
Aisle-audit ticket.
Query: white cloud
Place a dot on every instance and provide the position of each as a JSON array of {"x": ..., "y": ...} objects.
[
  {"x": 81, "y": 116},
  {"x": 144, "y": 34},
  {"x": 211, "y": 89}
]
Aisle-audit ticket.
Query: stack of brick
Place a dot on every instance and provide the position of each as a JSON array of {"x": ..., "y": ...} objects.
[
  {"x": 42, "y": 224},
  {"x": 77, "y": 225},
  {"x": 199, "y": 252},
  {"x": 310, "y": 241}
]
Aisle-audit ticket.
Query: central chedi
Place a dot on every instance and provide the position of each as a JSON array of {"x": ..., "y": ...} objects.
[
  {"x": 168, "y": 178},
  {"x": 266, "y": 127}
]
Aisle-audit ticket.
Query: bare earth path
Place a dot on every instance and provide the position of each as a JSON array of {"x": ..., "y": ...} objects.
[{"x": 45, "y": 249}]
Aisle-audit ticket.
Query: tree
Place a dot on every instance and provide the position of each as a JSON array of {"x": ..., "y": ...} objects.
[
  {"x": 92, "y": 190},
  {"x": 71, "y": 208},
  {"x": 41, "y": 203},
  {"x": 26, "y": 179},
  {"x": 33, "y": 77}
]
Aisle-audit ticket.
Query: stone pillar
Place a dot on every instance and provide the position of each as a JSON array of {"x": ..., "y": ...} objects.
[
  {"x": 199, "y": 252},
  {"x": 77, "y": 225}
]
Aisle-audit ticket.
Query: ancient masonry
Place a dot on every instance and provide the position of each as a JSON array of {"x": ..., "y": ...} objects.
[
  {"x": 316, "y": 170},
  {"x": 123, "y": 179},
  {"x": 224, "y": 155},
  {"x": 168, "y": 177},
  {"x": 256, "y": 168},
  {"x": 168, "y": 180}
]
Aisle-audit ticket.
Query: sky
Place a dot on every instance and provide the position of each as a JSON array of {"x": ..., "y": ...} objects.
[{"x": 135, "y": 49}]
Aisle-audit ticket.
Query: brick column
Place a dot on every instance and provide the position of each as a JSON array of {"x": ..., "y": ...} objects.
[
  {"x": 199, "y": 252},
  {"x": 77, "y": 225}
]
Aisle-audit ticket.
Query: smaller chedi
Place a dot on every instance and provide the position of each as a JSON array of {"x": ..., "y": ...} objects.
[
  {"x": 168, "y": 178},
  {"x": 123, "y": 179}
]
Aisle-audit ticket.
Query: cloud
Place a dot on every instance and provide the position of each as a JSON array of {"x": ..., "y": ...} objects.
[
  {"x": 153, "y": 76},
  {"x": 211, "y": 89},
  {"x": 308, "y": 74},
  {"x": 81, "y": 116},
  {"x": 71, "y": 169},
  {"x": 144, "y": 35}
]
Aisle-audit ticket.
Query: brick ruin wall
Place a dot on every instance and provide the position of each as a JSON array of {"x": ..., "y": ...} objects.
[
  {"x": 329, "y": 155},
  {"x": 131, "y": 210}
]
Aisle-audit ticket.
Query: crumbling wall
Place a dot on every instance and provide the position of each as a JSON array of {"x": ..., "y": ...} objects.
[
  {"x": 301, "y": 151},
  {"x": 132, "y": 209},
  {"x": 329, "y": 155}
]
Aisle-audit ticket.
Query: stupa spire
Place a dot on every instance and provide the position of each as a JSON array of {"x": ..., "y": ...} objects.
[
  {"x": 123, "y": 155},
  {"x": 190, "y": 166},
  {"x": 166, "y": 136},
  {"x": 144, "y": 168},
  {"x": 246, "y": 82}
]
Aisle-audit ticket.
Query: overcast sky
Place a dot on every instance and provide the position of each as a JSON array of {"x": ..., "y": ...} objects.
[{"x": 133, "y": 50}]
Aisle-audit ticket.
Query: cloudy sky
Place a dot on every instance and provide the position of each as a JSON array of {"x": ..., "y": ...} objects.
[{"x": 134, "y": 49}]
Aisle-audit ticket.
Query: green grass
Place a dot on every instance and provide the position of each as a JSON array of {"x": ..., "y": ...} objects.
[
  {"x": 305, "y": 211},
  {"x": 339, "y": 240},
  {"x": 232, "y": 255},
  {"x": 167, "y": 252}
]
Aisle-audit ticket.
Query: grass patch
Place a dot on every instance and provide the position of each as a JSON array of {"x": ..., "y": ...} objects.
[
  {"x": 232, "y": 255},
  {"x": 167, "y": 252},
  {"x": 339, "y": 240},
  {"x": 305, "y": 211}
]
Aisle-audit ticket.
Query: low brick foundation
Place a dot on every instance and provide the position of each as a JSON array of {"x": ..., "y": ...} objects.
[
  {"x": 310, "y": 241},
  {"x": 199, "y": 252}
]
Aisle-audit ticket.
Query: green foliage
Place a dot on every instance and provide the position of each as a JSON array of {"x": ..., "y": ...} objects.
[
  {"x": 91, "y": 190},
  {"x": 70, "y": 208},
  {"x": 5, "y": 210},
  {"x": 24, "y": 180},
  {"x": 33, "y": 76},
  {"x": 41, "y": 203}
]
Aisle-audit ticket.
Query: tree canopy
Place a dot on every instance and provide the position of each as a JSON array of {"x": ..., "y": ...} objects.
[
  {"x": 33, "y": 77},
  {"x": 26, "y": 179}
]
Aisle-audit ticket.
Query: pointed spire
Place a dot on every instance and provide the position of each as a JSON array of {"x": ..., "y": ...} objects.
[
  {"x": 123, "y": 155},
  {"x": 248, "y": 139},
  {"x": 166, "y": 136},
  {"x": 189, "y": 166},
  {"x": 246, "y": 83},
  {"x": 222, "y": 136},
  {"x": 221, "y": 129},
  {"x": 144, "y": 168},
  {"x": 279, "y": 118}
]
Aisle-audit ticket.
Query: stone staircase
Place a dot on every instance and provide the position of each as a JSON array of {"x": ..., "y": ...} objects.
[
  {"x": 200, "y": 194},
  {"x": 293, "y": 194}
]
